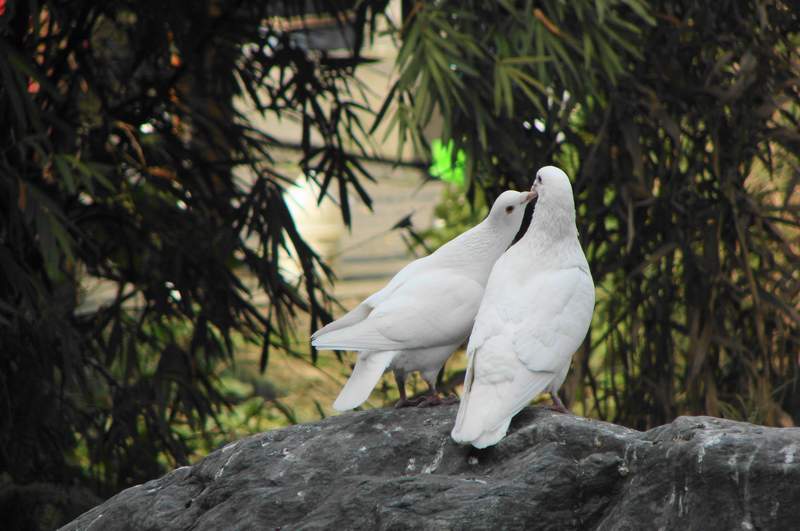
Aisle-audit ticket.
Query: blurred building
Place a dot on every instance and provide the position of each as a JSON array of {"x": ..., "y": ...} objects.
[{"x": 365, "y": 257}]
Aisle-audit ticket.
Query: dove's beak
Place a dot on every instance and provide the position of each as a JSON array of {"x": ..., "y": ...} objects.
[{"x": 527, "y": 197}]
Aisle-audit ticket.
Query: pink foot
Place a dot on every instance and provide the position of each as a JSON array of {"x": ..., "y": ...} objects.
[
  {"x": 558, "y": 406},
  {"x": 409, "y": 402},
  {"x": 435, "y": 400}
]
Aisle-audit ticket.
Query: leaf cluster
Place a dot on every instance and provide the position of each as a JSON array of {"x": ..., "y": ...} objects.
[
  {"x": 678, "y": 122},
  {"x": 128, "y": 167}
]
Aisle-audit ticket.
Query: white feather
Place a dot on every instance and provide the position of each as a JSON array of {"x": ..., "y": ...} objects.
[
  {"x": 356, "y": 315},
  {"x": 433, "y": 310},
  {"x": 368, "y": 370}
]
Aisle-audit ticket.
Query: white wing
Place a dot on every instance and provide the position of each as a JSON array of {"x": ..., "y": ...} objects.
[
  {"x": 430, "y": 309},
  {"x": 523, "y": 337},
  {"x": 360, "y": 312}
]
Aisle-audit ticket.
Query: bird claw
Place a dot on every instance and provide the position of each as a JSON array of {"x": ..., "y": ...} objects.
[
  {"x": 409, "y": 402},
  {"x": 452, "y": 399},
  {"x": 558, "y": 406},
  {"x": 435, "y": 400}
]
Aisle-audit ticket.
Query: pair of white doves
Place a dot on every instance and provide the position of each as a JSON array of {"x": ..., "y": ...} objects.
[{"x": 525, "y": 309}]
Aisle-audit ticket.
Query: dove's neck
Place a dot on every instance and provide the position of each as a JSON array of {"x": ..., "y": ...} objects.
[
  {"x": 474, "y": 252},
  {"x": 553, "y": 237}
]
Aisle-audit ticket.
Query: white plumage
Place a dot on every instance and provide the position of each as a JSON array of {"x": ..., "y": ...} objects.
[
  {"x": 426, "y": 311},
  {"x": 535, "y": 313}
]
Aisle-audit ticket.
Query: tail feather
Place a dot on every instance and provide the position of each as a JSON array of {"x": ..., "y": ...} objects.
[
  {"x": 368, "y": 370},
  {"x": 464, "y": 402},
  {"x": 490, "y": 438},
  {"x": 486, "y": 409}
]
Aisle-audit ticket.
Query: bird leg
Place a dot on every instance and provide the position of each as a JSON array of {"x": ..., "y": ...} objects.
[
  {"x": 558, "y": 405},
  {"x": 433, "y": 398},
  {"x": 401, "y": 386}
]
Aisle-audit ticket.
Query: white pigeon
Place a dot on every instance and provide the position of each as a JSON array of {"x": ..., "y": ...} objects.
[
  {"x": 534, "y": 315},
  {"x": 426, "y": 311}
]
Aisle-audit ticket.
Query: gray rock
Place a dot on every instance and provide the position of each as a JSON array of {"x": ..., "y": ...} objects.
[{"x": 398, "y": 469}]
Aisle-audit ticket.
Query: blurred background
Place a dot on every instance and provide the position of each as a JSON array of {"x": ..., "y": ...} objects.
[{"x": 189, "y": 189}]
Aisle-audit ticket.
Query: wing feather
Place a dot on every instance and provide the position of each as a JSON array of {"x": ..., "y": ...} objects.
[
  {"x": 354, "y": 316},
  {"x": 437, "y": 308},
  {"x": 360, "y": 312}
]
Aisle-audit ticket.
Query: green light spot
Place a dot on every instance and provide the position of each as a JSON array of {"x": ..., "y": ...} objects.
[{"x": 443, "y": 166}]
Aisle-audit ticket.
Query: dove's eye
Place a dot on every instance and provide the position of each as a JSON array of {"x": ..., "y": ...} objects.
[
  {"x": 509, "y": 209},
  {"x": 539, "y": 178}
]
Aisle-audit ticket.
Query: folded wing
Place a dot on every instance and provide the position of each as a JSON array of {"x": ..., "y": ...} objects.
[
  {"x": 518, "y": 346},
  {"x": 430, "y": 309}
]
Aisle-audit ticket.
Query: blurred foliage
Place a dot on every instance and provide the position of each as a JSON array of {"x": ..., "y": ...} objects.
[
  {"x": 127, "y": 167},
  {"x": 453, "y": 215},
  {"x": 678, "y": 121}
]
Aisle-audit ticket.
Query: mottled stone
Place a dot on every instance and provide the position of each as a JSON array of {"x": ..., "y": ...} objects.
[{"x": 398, "y": 469}]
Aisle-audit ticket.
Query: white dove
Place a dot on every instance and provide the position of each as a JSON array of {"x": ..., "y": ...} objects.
[
  {"x": 534, "y": 315},
  {"x": 426, "y": 311}
]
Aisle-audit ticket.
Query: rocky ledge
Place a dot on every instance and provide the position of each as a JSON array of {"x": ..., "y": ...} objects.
[{"x": 399, "y": 469}]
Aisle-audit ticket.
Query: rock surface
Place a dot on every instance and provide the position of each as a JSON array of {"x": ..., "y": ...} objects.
[{"x": 398, "y": 469}]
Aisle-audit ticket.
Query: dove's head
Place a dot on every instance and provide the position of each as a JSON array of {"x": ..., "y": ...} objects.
[
  {"x": 554, "y": 215},
  {"x": 551, "y": 185},
  {"x": 509, "y": 207}
]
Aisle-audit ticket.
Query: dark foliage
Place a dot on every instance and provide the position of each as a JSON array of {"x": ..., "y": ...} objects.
[
  {"x": 126, "y": 165},
  {"x": 679, "y": 124},
  {"x": 696, "y": 158}
]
